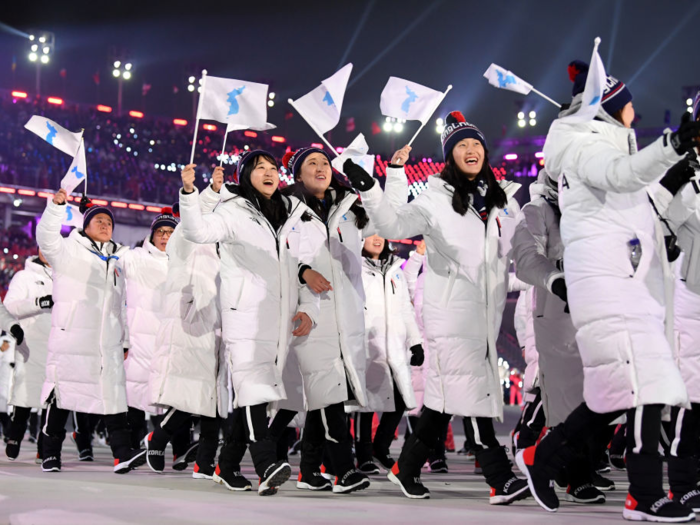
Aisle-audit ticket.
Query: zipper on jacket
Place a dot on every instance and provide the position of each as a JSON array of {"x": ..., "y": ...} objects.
[{"x": 340, "y": 235}]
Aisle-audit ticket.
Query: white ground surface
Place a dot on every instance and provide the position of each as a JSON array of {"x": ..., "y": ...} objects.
[{"x": 85, "y": 493}]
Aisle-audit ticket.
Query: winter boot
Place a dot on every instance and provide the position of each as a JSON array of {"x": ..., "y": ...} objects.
[
  {"x": 363, "y": 453},
  {"x": 580, "y": 476},
  {"x": 310, "y": 477},
  {"x": 646, "y": 500},
  {"x": 352, "y": 481},
  {"x": 12, "y": 449},
  {"x": 681, "y": 478},
  {"x": 126, "y": 458},
  {"x": 83, "y": 442},
  {"x": 183, "y": 461},
  {"x": 205, "y": 462},
  {"x": 347, "y": 478},
  {"x": 271, "y": 472},
  {"x": 406, "y": 471},
  {"x": 155, "y": 444},
  {"x": 438, "y": 466},
  {"x": 51, "y": 452},
  {"x": 232, "y": 480},
  {"x": 542, "y": 463},
  {"x": 505, "y": 486}
]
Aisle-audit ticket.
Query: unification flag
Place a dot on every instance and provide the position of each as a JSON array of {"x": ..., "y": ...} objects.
[
  {"x": 357, "y": 151},
  {"x": 403, "y": 99},
  {"x": 593, "y": 92},
  {"x": 321, "y": 107},
  {"x": 504, "y": 79},
  {"x": 238, "y": 103},
  {"x": 58, "y": 136},
  {"x": 77, "y": 172}
]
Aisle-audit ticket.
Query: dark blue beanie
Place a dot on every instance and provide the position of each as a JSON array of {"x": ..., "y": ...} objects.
[
  {"x": 457, "y": 129},
  {"x": 615, "y": 95},
  {"x": 250, "y": 155},
  {"x": 94, "y": 210},
  {"x": 293, "y": 161}
]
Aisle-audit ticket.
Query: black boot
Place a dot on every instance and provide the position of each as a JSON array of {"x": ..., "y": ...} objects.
[
  {"x": 406, "y": 471},
  {"x": 381, "y": 450},
  {"x": 347, "y": 478},
  {"x": 126, "y": 458},
  {"x": 681, "y": 476},
  {"x": 542, "y": 463},
  {"x": 51, "y": 453},
  {"x": 580, "y": 487},
  {"x": 363, "y": 453},
  {"x": 83, "y": 442},
  {"x": 506, "y": 487},
  {"x": 228, "y": 471},
  {"x": 310, "y": 477},
  {"x": 272, "y": 473},
  {"x": 646, "y": 500},
  {"x": 205, "y": 462}
]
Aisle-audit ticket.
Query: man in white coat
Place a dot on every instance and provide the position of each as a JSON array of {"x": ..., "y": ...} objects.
[
  {"x": 29, "y": 300},
  {"x": 85, "y": 361},
  {"x": 616, "y": 270}
]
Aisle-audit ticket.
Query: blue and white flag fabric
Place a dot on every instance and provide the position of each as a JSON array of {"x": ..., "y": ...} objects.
[
  {"x": 77, "y": 172},
  {"x": 504, "y": 79},
  {"x": 58, "y": 136},
  {"x": 357, "y": 151},
  {"x": 235, "y": 127},
  {"x": 403, "y": 99},
  {"x": 592, "y": 96},
  {"x": 321, "y": 107},
  {"x": 237, "y": 103}
]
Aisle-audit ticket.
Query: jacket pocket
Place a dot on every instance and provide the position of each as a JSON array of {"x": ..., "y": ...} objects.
[
  {"x": 451, "y": 277},
  {"x": 237, "y": 296},
  {"x": 64, "y": 316}
]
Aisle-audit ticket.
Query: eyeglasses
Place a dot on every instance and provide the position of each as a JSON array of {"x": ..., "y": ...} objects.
[{"x": 160, "y": 232}]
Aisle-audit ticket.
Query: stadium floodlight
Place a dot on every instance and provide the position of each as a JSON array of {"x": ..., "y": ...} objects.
[
  {"x": 127, "y": 75},
  {"x": 272, "y": 95},
  {"x": 117, "y": 64},
  {"x": 33, "y": 57},
  {"x": 521, "y": 115},
  {"x": 44, "y": 59},
  {"x": 532, "y": 114},
  {"x": 190, "y": 88},
  {"x": 128, "y": 66},
  {"x": 116, "y": 72},
  {"x": 32, "y": 37},
  {"x": 40, "y": 53},
  {"x": 388, "y": 127},
  {"x": 122, "y": 71},
  {"x": 34, "y": 48},
  {"x": 533, "y": 122},
  {"x": 42, "y": 39},
  {"x": 46, "y": 50}
]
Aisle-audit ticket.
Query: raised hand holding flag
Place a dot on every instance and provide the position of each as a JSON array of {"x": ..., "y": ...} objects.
[
  {"x": 56, "y": 135},
  {"x": 357, "y": 152}
]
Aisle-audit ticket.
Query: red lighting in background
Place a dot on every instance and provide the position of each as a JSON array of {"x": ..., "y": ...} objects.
[
  {"x": 277, "y": 138},
  {"x": 28, "y": 193},
  {"x": 117, "y": 204},
  {"x": 153, "y": 209},
  {"x": 19, "y": 94},
  {"x": 44, "y": 195},
  {"x": 316, "y": 145},
  {"x": 99, "y": 202},
  {"x": 55, "y": 100},
  {"x": 104, "y": 109},
  {"x": 541, "y": 162},
  {"x": 250, "y": 134},
  {"x": 139, "y": 207},
  {"x": 210, "y": 127},
  {"x": 511, "y": 156},
  {"x": 6, "y": 190},
  {"x": 135, "y": 114},
  {"x": 180, "y": 122}
]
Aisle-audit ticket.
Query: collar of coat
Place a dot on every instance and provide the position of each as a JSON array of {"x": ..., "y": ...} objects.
[
  {"x": 103, "y": 250},
  {"x": 383, "y": 266},
  {"x": 438, "y": 184},
  {"x": 151, "y": 249},
  {"x": 34, "y": 264}
]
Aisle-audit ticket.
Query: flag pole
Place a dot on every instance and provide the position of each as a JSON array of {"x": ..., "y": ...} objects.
[
  {"x": 82, "y": 145},
  {"x": 422, "y": 125},
  {"x": 221, "y": 163},
  {"x": 196, "y": 120},
  {"x": 547, "y": 98},
  {"x": 291, "y": 103}
]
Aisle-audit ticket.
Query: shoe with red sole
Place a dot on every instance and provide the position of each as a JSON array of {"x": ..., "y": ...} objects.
[
  {"x": 155, "y": 454},
  {"x": 133, "y": 460},
  {"x": 541, "y": 487},
  {"x": 183, "y": 461},
  {"x": 512, "y": 490},
  {"x": 314, "y": 481},
  {"x": 411, "y": 486},
  {"x": 275, "y": 475},
  {"x": 204, "y": 472},
  {"x": 352, "y": 481},
  {"x": 663, "y": 510},
  {"x": 232, "y": 480}
]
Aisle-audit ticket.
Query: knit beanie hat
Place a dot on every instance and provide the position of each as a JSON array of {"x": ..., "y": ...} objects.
[
  {"x": 166, "y": 218},
  {"x": 293, "y": 160},
  {"x": 250, "y": 155},
  {"x": 615, "y": 95},
  {"x": 90, "y": 210},
  {"x": 457, "y": 129}
]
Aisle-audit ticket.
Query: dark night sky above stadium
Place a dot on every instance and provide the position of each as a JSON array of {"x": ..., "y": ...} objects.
[{"x": 652, "y": 45}]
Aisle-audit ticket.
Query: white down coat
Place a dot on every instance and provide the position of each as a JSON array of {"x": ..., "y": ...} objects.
[
  {"x": 29, "y": 372},
  {"x": 619, "y": 313},
  {"x": 416, "y": 282},
  {"x": 465, "y": 292},
  {"x": 525, "y": 332},
  {"x": 146, "y": 269},
  {"x": 391, "y": 331},
  {"x": 684, "y": 218},
  {"x": 188, "y": 369},
  {"x": 538, "y": 253},
  {"x": 260, "y": 290},
  {"x": 85, "y": 360}
]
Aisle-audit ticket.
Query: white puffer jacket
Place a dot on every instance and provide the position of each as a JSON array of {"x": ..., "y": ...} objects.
[
  {"x": 684, "y": 218},
  {"x": 465, "y": 292},
  {"x": 29, "y": 372},
  {"x": 188, "y": 368},
  {"x": 391, "y": 331},
  {"x": 525, "y": 331},
  {"x": 6, "y": 357},
  {"x": 85, "y": 361},
  {"x": 260, "y": 290},
  {"x": 619, "y": 313},
  {"x": 146, "y": 269},
  {"x": 416, "y": 282}
]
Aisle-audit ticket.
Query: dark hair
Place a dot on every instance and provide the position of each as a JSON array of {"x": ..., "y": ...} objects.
[
  {"x": 274, "y": 209},
  {"x": 386, "y": 252},
  {"x": 299, "y": 190},
  {"x": 495, "y": 196}
]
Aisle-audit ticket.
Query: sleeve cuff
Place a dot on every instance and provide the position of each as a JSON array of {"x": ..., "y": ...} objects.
[{"x": 553, "y": 278}]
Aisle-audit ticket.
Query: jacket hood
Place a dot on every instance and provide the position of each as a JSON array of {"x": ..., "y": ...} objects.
[{"x": 34, "y": 264}]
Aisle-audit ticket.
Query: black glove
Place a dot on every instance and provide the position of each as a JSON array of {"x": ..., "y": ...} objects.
[
  {"x": 559, "y": 288},
  {"x": 417, "y": 355},
  {"x": 45, "y": 302},
  {"x": 683, "y": 139},
  {"x": 17, "y": 333},
  {"x": 359, "y": 178},
  {"x": 678, "y": 176}
]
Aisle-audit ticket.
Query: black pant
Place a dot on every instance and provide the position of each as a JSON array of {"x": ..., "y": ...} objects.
[
  {"x": 172, "y": 424},
  {"x": 250, "y": 426},
  {"x": 279, "y": 431},
  {"x": 437, "y": 447},
  {"x": 481, "y": 433},
  {"x": 54, "y": 431},
  {"x": 235, "y": 443},
  {"x": 4, "y": 423},
  {"x": 18, "y": 425},
  {"x": 83, "y": 427},
  {"x": 137, "y": 422},
  {"x": 531, "y": 423},
  {"x": 388, "y": 424},
  {"x": 329, "y": 426},
  {"x": 683, "y": 434}
]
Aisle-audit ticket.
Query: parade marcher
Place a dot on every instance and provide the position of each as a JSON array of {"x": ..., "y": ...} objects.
[
  {"x": 465, "y": 217},
  {"x": 29, "y": 300},
  {"x": 614, "y": 249},
  {"x": 145, "y": 269},
  {"x": 85, "y": 360},
  {"x": 261, "y": 298},
  {"x": 392, "y": 332},
  {"x": 188, "y": 373}
]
